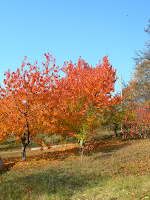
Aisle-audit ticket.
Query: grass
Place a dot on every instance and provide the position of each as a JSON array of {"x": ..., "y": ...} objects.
[
  {"x": 114, "y": 170},
  {"x": 12, "y": 145}
]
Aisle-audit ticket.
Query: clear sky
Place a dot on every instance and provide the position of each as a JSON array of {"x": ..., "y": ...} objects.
[{"x": 68, "y": 29}]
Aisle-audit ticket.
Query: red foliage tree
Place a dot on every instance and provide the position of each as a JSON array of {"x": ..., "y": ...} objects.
[
  {"x": 84, "y": 93},
  {"x": 27, "y": 94},
  {"x": 137, "y": 121},
  {"x": 35, "y": 103}
]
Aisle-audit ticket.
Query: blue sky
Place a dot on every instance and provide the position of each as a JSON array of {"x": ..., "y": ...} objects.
[{"x": 68, "y": 29}]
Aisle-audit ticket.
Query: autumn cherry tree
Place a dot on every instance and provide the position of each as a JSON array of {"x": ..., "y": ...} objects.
[
  {"x": 27, "y": 94},
  {"x": 84, "y": 93}
]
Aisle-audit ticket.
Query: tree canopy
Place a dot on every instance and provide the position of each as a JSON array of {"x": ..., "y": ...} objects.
[
  {"x": 36, "y": 102},
  {"x": 141, "y": 78}
]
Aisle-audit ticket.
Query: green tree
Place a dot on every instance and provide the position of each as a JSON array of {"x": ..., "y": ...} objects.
[{"x": 114, "y": 117}]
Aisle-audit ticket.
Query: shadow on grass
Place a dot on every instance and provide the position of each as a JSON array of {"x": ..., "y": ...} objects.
[
  {"x": 49, "y": 156},
  {"x": 55, "y": 155},
  {"x": 103, "y": 156},
  {"x": 106, "y": 145},
  {"x": 7, "y": 167},
  {"x": 57, "y": 183}
]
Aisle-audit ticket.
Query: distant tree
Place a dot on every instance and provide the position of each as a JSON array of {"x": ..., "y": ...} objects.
[
  {"x": 114, "y": 117},
  {"x": 137, "y": 94},
  {"x": 140, "y": 83},
  {"x": 137, "y": 121}
]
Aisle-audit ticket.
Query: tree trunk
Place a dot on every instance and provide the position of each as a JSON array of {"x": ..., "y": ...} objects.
[
  {"x": 24, "y": 144},
  {"x": 115, "y": 130},
  {"x": 23, "y": 153},
  {"x": 81, "y": 149},
  {"x": 82, "y": 155},
  {"x": 1, "y": 163}
]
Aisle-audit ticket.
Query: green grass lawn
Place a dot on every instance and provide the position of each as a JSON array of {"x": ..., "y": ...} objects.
[{"x": 115, "y": 174}]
